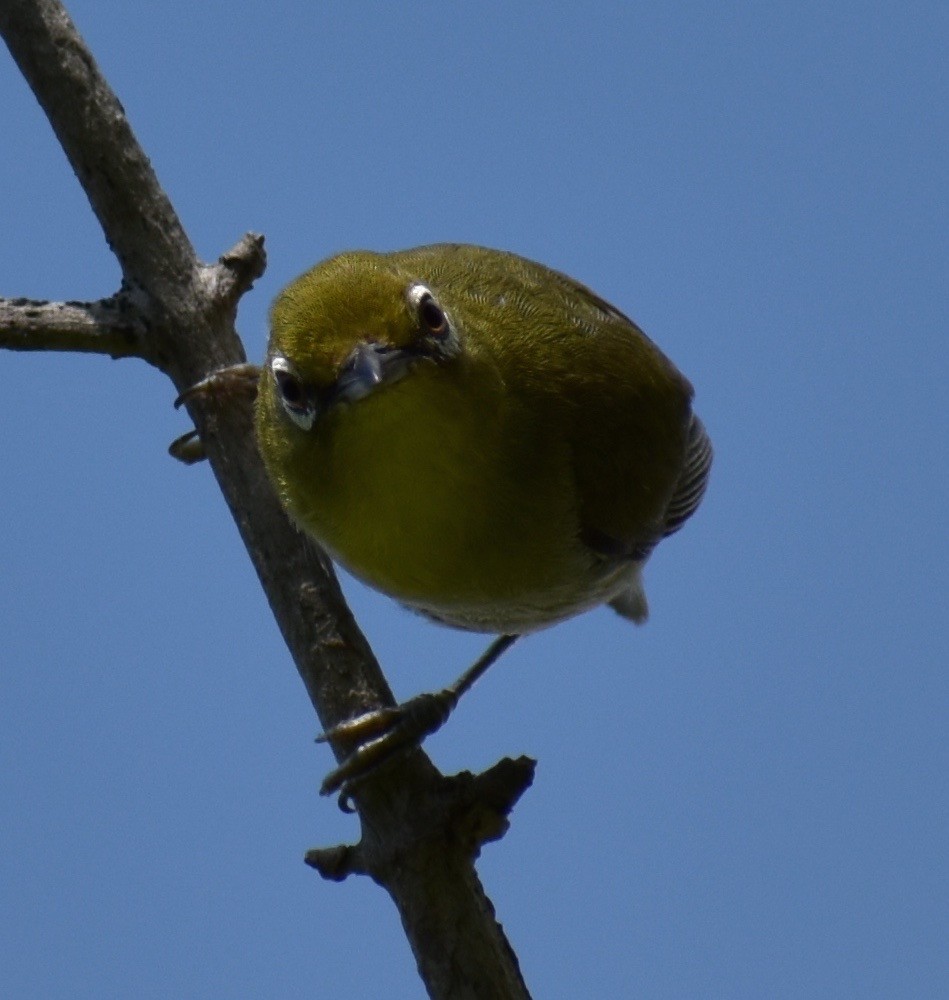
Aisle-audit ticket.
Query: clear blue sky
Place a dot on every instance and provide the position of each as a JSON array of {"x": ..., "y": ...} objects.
[{"x": 748, "y": 797}]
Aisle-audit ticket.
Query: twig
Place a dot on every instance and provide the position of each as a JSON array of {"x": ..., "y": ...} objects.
[{"x": 110, "y": 326}]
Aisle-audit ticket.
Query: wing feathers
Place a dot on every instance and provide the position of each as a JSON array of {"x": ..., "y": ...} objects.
[{"x": 692, "y": 482}]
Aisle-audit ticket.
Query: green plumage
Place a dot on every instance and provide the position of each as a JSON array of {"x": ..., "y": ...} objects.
[{"x": 514, "y": 469}]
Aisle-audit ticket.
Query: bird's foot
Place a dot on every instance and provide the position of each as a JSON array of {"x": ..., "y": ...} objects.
[
  {"x": 382, "y": 734},
  {"x": 234, "y": 378},
  {"x": 189, "y": 448}
]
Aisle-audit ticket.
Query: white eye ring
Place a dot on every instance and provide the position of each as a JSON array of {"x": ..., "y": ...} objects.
[
  {"x": 297, "y": 403},
  {"x": 432, "y": 317}
]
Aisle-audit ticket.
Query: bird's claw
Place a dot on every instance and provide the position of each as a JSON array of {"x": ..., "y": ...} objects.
[
  {"x": 189, "y": 448},
  {"x": 244, "y": 376},
  {"x": 380, "y": 736}
]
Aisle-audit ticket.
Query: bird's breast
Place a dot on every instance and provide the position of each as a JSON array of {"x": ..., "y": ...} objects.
[{"x": 441, "y": 496}]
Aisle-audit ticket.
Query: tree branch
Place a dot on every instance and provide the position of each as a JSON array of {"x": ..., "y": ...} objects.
[
  {"x": 420, "y": 830},
  {"x": 110, "y": 326}
]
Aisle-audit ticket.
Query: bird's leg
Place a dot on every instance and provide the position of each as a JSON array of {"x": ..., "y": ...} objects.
[{"x": 385, "y": 732}]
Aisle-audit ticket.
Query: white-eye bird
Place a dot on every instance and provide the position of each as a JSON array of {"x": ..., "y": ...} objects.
[{"x": 480, "y": 437}]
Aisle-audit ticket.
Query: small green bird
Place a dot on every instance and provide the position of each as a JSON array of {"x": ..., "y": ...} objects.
[{"x": 482, "y": 438}]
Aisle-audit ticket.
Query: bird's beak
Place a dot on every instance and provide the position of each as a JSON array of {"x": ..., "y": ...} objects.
[{"x": 369, "y": 366}]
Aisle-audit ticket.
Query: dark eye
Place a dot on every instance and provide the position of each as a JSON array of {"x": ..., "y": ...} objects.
[
  {"x": 292, "y": 392},
  {"x": 291, "y": 389},
  {"x": 432, "y": 316}
]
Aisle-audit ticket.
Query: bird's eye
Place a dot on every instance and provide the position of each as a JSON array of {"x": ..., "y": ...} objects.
[
  {"x": 293, "y": 395},
  {"x": 431, "y": 316},
  {"x": 291, "y": 390}
]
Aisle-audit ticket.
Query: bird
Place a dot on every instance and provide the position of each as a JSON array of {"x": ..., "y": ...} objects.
[{"x": 478, "y": 436}]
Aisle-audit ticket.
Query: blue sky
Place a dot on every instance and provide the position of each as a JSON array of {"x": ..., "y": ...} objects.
[{"x": 747, "y": 797}]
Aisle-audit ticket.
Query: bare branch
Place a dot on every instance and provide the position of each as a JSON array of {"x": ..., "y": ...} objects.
[
  {"x": 238, "y": 269},
  {"x": 110, "y": 326}
]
